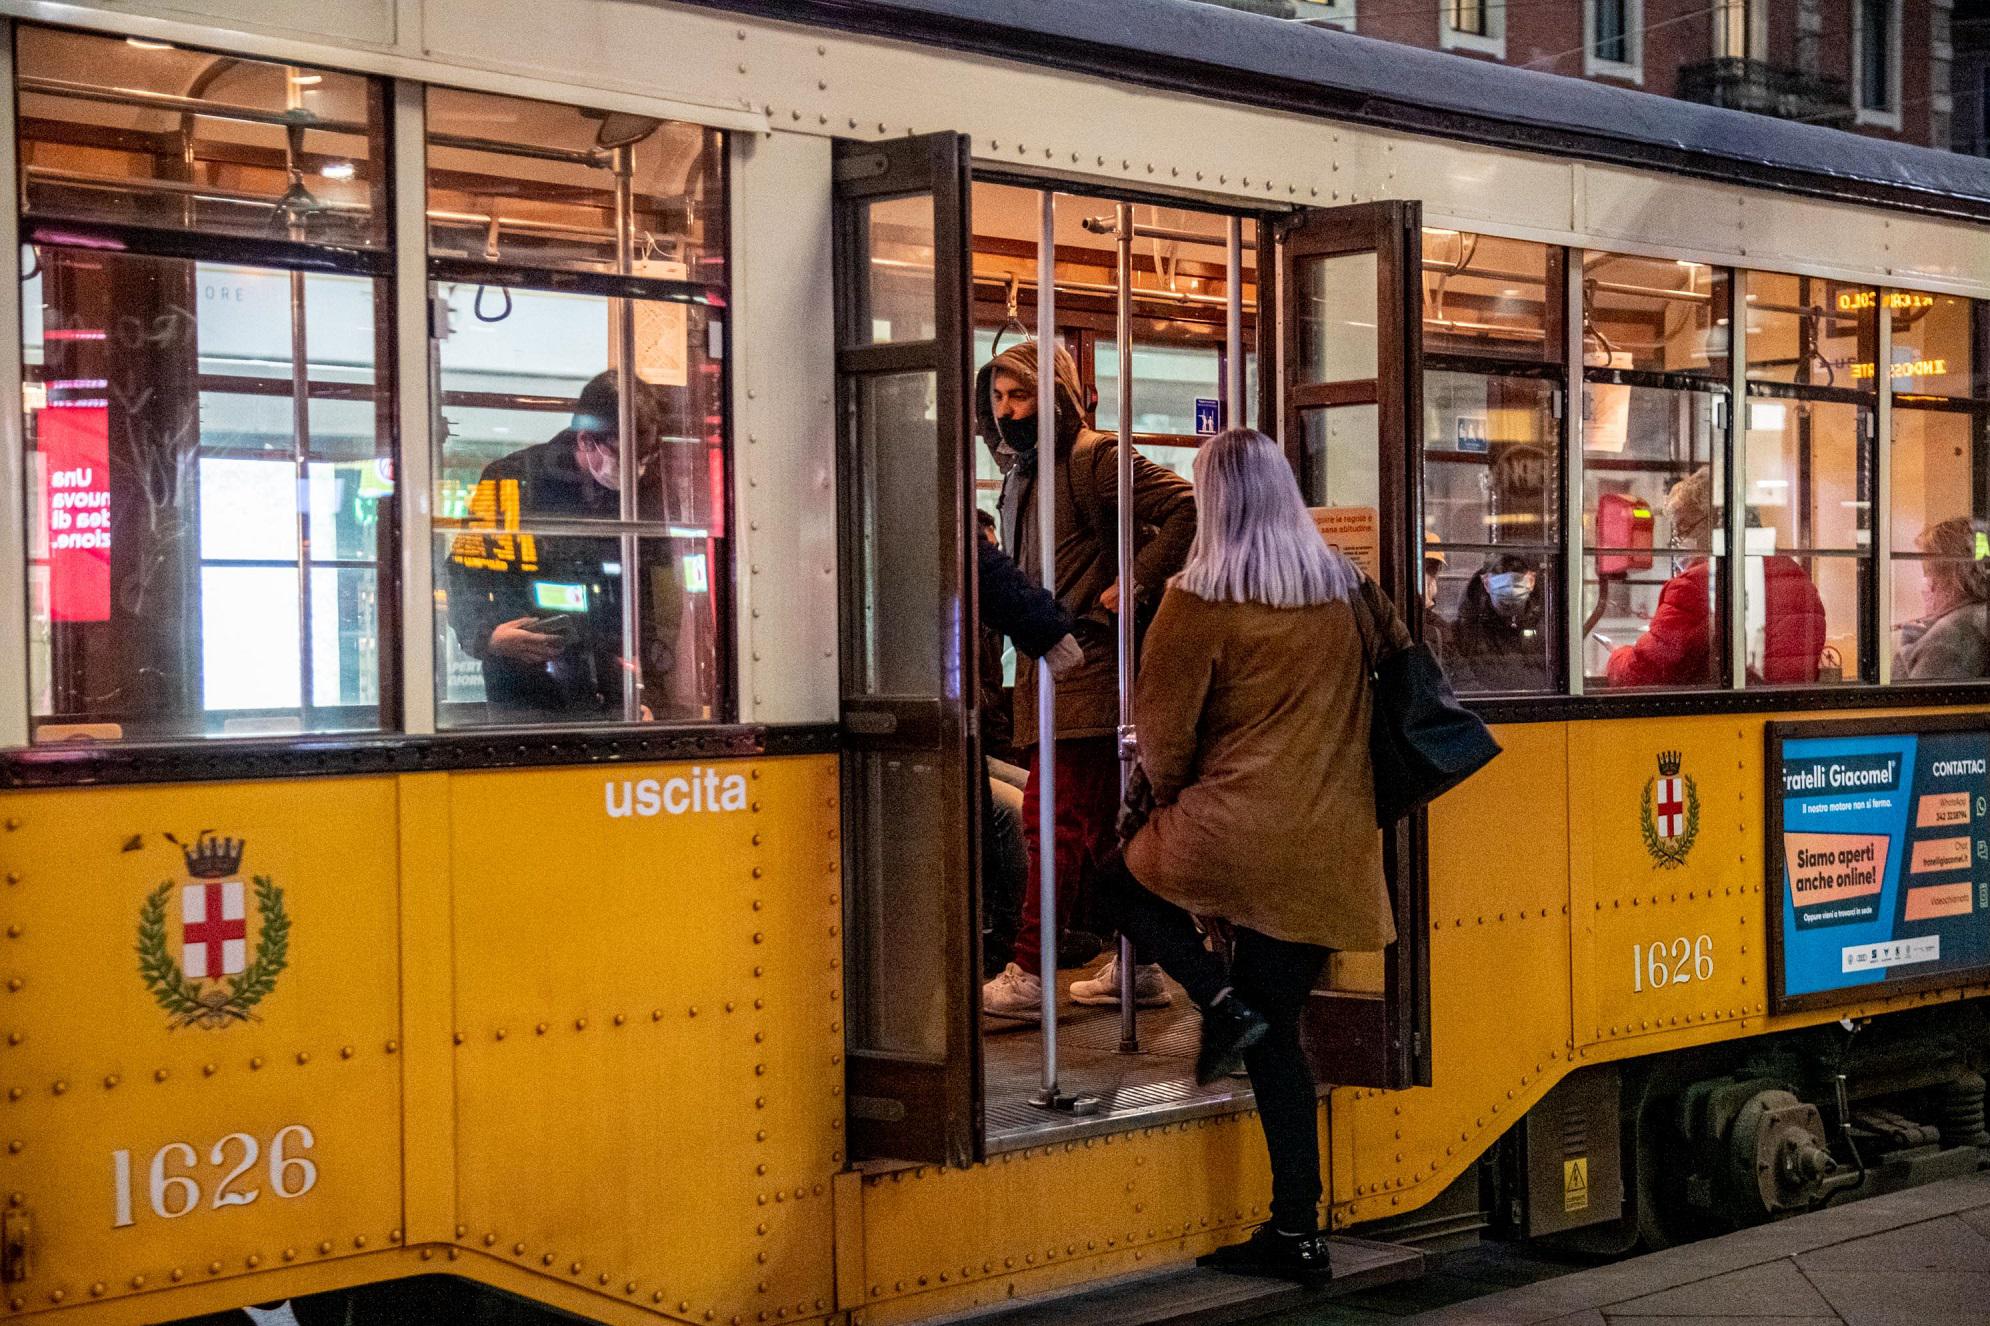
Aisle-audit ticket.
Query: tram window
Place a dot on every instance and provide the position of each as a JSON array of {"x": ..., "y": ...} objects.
[
  {"x": 1167, "y": 382},
  {"x": 1809, "y": 331},
  {"x": 530, "y": 449},
  {"x": 1483, "y": 295},
  {"x": 153, "y": 135},
  {"x": 1654, "y": 315},
  {"x": 898, "y": 296},
  {"x": 1337, "y": 318},
  {"x": 204, "y": 548},
  {"x": 1933, "y": 336},
  {"x": 534, "y": 183},
  {"x": 1339, "y": 446},
  {"x": 1652, "y": 521},
  {"x": 1941, "y": 545},
  {"x": 1491, "y": 493},
  {"x": 1808, "y": 541}
]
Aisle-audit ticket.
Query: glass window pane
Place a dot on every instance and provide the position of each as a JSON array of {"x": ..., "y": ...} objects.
[
  {"x": 1652, "y": 481},
  {"x": 532, "y": 417},
  {"x": 899, "y": 300},
  {"x": 1486, "y": 296},
  {"x": 1941, "y": 546},
  {"x": 1933, "y": 340},
  {"x": 899, "y": 922},
  {"x": 1338, "y": 336},
  {"x": 266, "y": 150},
  {"x": 1808, "y": 330},
  {"x": 1807, "y": 476},
  {"x": 533, "y": 183},
  {"x": 1341, "y": 455},
  {"x": 544, "y": 616},
  {"x": 153, "y": 489},
  {"x": 898, "y": 530},
  {"x": 1168, "y": 380},
  {"x": 1490, "y": 471},
  {"x": 1654, "y": 315}
]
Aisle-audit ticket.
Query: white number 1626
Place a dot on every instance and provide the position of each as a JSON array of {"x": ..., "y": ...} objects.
[
  {"x": 175, "y": 1194},
  {"x": 1680, "y": 962}
]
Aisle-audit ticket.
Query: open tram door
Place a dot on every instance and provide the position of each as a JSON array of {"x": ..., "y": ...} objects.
[
  {"x": 1351, "y": 414},
  {"x": 911, "y": 765}
]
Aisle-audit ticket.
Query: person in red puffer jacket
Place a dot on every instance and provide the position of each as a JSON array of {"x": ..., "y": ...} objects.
[{"x": 1677, "y": 646}]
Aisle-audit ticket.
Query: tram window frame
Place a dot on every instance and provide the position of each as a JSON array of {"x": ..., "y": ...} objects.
[
  {"x": 703, "y": 290},
  {"x": 1483, "y": 359},
  {"x": 177, "y": 708},
  {"x": 1843, "y": 302},
  {"x": 1903, "y": 551}
]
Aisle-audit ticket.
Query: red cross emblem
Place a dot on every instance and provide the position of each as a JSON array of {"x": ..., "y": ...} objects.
[
  {"x": 1671, "y": 816},
  {"x": 214, "y": 930}
]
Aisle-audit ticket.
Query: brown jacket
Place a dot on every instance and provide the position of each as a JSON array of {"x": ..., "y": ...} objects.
[
  {"x": 1087, "y": 558},
  {"x": 1253, "y": 727}
]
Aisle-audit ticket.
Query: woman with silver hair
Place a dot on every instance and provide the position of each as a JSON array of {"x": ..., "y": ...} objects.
[
  {"x": 1951, "y": 640},
  {"x": 1252, "y": 709}
]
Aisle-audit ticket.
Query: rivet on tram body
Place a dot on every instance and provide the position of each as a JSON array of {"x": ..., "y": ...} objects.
[
  {"x": 178, "y": 1275},
  {"x": 13, "y": 877},
  {"x": 573, "y": 1268},
  {"x": 15, "y": 1038},
  {"x": 324, "y": 1245},
  {"x": 428, "y": 1254},
  {"x": 97, "y": 1289},
  {"x": 546, "y": 1259},
  {"x": 254, "y": 1260},
  {"x": 393, "y": 1046},
  {"x": 290, "y": 1254},
  {"x": 13, "y": 932},
  {"x": 54, "y": 1295},
  {"x": 59, "y": 1087},
  {"x": 214, "y": 1268},
  {"x": 138, "y": 1282},
  {"x": 13, "y": 984},
  {"x": 518, "y": 1249}
]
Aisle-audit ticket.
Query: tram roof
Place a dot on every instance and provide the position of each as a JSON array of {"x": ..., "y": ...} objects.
[{"x": 1296, "y": 66}]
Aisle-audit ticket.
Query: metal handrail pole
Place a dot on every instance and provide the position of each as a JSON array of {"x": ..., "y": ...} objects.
[
  {"x": 624, "y": 322},
  {"x": 1129, "y": 1029},
  {"x": 1046, "y": 685},
  {"x": 1235, "y": 409}
]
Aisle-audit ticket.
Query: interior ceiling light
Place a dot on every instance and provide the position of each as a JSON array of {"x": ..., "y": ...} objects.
[{"x": 147, "y": 44}]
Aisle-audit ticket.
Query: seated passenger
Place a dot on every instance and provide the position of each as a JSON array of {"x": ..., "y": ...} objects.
[
  {"x": 1677, "y": 648},
  {"x": 1253, "y": 713},
  {"x": 543, "y": 613},
  {"x": 1496, "y": 642},
  {"x": 1951, "y": 640}
]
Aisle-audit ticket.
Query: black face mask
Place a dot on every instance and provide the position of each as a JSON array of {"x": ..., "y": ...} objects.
[{"x": 1019, "y": 434}]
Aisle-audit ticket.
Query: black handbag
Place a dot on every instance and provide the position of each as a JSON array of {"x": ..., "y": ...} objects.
[{"x": 1421, "y": 740}]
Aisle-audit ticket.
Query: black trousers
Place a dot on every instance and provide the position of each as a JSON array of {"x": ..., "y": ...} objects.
[{"x": 1273, "y": 977}]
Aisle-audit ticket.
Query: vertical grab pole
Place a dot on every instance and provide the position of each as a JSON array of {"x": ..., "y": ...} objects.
[
  {"x": 1235, "y": 412},
  {"x": 1046, "y": 687},
  {"x": 1129, "y": 1030},
  {"x": 623, "y": 321}
]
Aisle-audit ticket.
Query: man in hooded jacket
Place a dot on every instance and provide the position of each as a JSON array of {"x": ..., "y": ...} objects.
[{"x": 1085, "y": 581}]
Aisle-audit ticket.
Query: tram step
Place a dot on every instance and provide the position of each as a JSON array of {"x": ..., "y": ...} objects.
[{"x": 1194, "y": 1296}]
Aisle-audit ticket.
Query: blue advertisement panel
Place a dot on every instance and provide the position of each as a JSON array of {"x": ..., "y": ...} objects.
[{"x": 1880, "y": 857}]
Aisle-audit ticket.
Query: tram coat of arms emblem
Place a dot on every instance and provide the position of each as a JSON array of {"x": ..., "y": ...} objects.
[
  {"x": 1669, "y": 813},
  {"x": 218, "y": 978}
]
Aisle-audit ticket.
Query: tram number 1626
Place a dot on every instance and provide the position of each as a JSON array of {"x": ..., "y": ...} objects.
[
  {"x": 176, "y": 1194},
  {"x": 1680, "y": 962}
]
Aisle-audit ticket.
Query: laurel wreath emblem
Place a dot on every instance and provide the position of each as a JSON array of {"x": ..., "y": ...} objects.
[
  {"x": 184, "y": 1000},
  {"x": 1667, "y": 855}
]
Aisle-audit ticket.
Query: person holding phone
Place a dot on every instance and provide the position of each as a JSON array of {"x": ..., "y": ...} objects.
[{"x": 543, "y": 613}]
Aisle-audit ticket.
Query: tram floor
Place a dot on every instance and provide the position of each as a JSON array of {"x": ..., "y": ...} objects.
[{"x": 1117, "y": 1087}]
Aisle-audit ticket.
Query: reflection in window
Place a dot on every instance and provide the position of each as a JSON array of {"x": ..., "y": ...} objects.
[
  {"x": 207, "y": 500},
  {"x": 149, "y": 134},
  {"x": 1810, "y": 332},
  {"x": 580, "y": 506},
  {"x": 1940, "y": 467}
]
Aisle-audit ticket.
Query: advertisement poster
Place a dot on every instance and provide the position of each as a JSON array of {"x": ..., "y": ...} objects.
[
  {"x": 76, "y": 510},
  {"x": 1884, "y": 864}
]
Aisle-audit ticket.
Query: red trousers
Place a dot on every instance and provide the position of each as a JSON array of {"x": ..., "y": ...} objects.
[{"x": 1087, "y": 795}]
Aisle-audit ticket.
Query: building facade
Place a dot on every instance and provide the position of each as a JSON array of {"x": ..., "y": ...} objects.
[{"x": 1879, "y": 67}]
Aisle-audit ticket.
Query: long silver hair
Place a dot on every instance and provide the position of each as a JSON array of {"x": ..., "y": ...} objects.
[{"x": 1254, "y": 541}]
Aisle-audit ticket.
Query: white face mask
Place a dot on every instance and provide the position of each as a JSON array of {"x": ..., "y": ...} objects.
[{"x": 600, "y": 462}]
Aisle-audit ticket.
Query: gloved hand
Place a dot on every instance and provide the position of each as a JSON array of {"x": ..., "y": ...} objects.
[{"x": 1065, "y": 655}]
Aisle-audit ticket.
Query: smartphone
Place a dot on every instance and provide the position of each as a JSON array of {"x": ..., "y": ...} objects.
[{"x": 558, "y": 623}]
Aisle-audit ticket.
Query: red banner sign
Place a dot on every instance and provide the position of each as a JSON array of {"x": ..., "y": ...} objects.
[{"x": 76, "y": 505}]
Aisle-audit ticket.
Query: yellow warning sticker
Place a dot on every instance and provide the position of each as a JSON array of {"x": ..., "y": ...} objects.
[{"x": 1575, "y": 1184}]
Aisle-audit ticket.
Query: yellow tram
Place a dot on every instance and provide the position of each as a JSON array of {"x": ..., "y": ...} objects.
[{"x": 338, "y": 954}]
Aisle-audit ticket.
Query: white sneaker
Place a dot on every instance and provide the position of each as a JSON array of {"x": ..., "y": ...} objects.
[
  {"x": 1014, "y": 994},
  {"x": 1148, "y": 992}
]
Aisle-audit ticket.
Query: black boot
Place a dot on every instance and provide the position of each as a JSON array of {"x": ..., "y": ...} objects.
[
  {"x": 1301, "y": 1258},
  {"x": 1229, "y": 1027}
]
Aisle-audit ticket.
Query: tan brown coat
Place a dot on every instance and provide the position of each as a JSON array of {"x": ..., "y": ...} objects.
[{"x": 1253, "y": 726}]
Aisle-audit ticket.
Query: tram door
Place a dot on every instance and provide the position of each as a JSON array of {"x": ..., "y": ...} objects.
[
  {"x": 1350, "y": 315},
  {"x": 911, "y": 807}
]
